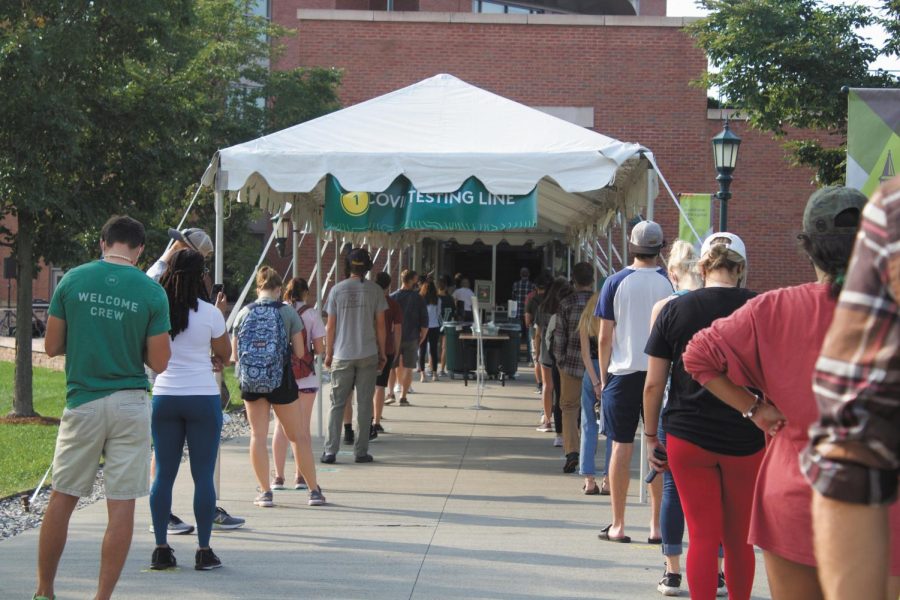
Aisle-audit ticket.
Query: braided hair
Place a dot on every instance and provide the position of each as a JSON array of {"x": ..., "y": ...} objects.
[{"x": 184, "y": 285}]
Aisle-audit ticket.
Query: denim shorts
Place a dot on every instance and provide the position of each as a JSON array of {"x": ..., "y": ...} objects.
[{"x": 623, "y": 405}]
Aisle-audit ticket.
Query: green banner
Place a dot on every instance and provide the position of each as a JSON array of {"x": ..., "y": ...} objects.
[
  {"x": 873, "y": 137},
  {"x": 698, "y": 208},
  {"x": 401, "y": 206}
]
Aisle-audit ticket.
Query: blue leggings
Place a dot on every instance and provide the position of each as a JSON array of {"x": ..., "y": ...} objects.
[{"x": 197, "y": 419}]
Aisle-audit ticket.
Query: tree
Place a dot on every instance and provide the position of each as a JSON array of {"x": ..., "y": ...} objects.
[
  {"x": 116, "y": 107},
  {"x": 784, "y": 63}
]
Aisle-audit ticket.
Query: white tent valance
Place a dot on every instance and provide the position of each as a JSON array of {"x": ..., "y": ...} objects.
[{"x": 438, "y": 133}]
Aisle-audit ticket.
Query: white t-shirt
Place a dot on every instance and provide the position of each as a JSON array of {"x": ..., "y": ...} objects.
[
  {"x": 190, "y": 370},
  {"x": 464, "y": 295},
  {"x": 314, "y": 329}
]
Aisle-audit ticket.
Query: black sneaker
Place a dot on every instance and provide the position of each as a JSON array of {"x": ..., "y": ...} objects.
[
  {"x": 163, "y": 558},
  {"x": 328, "y": 459},
  {"x": 378, "y": 428},
  {"x": 365, "y": 458},
  {"x": 721, "y": 590},
  {"x": 206, "y": 560},
  {"x": 670, "y": 584},
  {"x": 349, "y": 436},
  {"x": 404, "y": 401},
  {"x": 373, "y": 433},
  {"x": 571, "y": 462}
]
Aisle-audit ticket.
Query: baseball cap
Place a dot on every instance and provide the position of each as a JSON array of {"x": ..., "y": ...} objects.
[
  {"x": 820, "y": 217},
  {"x": 646, "y": 238},
  {"x": 735, "y": 244},
  {"x": 359, "y": 257},
  {"x": 195, "y": 238}
]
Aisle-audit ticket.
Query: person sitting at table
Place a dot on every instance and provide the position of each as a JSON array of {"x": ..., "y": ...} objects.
[{"x": 463, "y": 298}]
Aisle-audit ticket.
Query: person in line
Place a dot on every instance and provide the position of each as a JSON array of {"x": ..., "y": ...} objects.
[
  {"x": 520, "y": 291},
  {"x": 756, "y": 347},
  {"x": 296, "y": 294},
  {"x": 354, "y": 351},
  {"x": 854, "y": 448},
  {"x": 198, "y": 240},
  {"x": 682, "y": 270},
  {"x": 445, "y": 309},
  {"x": 187, "y": 406},
  {"x": 393, "y": 322},
  {"x": 108, "y": 319},
  {"x": 432, "y": 337},
  {"x": 626, "y": 301},
  {"x": 588, "y": 328},
  {"x": 463, "y": 295},
  {"x": 546, "y": 323},
  {"x": 714, "y": 452},
  {"x": 413, "y": 331},
  {"x": 267, "y": 332},
  {"x": 531, "y": 305},
  {"x": 567, "y": 351}
]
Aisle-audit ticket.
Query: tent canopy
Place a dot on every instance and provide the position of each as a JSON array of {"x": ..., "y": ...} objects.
[{"x": 438, "y": 133}]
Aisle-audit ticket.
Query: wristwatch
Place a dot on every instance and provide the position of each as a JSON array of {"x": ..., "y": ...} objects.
[{"x": 748, "y": 414}]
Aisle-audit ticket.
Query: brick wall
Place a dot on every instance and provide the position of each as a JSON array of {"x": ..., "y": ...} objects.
[
  {"x": 41, "y": 285},
  {"x": 637, "y": 78}
]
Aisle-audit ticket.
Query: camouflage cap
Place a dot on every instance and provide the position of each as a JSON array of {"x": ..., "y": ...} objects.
[{"x": 824, "y": 206}]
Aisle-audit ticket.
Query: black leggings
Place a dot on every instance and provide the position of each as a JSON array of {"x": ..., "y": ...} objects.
[{"x": 430, "y": 343}]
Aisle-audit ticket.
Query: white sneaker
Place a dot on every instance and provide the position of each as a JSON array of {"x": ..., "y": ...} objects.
[
  {"x": 557, "y": 442},
  {"x": 398, "y": 389}
]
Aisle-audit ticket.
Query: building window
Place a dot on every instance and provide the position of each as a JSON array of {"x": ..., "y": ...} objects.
[{"x": 490, "y": 7}]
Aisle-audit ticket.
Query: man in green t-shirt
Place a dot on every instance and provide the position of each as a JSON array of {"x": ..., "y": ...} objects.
[{"x": 109, "y": 319}]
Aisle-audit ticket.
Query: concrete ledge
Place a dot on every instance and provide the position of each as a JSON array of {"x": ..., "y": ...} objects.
[
  {"x": 304, "y": 14},
  {"x": 38, "y": 357}
]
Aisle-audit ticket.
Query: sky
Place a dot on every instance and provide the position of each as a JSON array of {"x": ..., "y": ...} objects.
[{"x": 876, "y": 35}]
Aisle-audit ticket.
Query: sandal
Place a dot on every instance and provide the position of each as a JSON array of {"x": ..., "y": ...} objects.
[
  {"x": 604, "y": 535},
  {"x": 604, "y": 487},
  {"x": 593, "y": 491}
]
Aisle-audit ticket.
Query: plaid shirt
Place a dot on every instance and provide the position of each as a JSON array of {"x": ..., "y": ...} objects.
[
  {"x": 566, "y": 341},
  {"x": 521, "y": 289},
  {"x": 854, "y": 450}
]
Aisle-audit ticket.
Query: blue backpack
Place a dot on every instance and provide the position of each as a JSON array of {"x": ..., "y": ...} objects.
[{"x": 262, "y": 348}]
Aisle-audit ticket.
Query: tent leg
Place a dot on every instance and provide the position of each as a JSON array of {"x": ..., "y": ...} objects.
[
  {"x": 219, "y": 277},
  {"x": 493, "y": 279},
  {"x": 319, "y": 361},
  {"x": 568, "y": 262},
  {"x": 624, "y": 242},
  {"x": 295, "y": 268}
]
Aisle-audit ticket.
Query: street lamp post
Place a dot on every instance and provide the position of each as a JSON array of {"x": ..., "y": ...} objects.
[
  {"x": 725, "y": 151},
  {"x": 282, "y": 234}
]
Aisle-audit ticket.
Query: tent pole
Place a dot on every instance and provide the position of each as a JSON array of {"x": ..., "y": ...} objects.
[
  {"x": 219, "y": 277},
  {"x": 319, "y": 362},
  {"x": 295, "y": 268},
  {"x": 569, "y": 262},
  {"x": 493, "y": 280},
  {"x": 651, "y": 199},
  {"x": 624, "y": 242}
]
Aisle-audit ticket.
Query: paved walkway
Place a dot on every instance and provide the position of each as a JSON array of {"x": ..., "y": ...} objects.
[{"x": 459, "y": 504}]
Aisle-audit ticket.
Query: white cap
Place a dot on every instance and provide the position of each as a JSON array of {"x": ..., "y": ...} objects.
[{"x": 735, "y": 244}]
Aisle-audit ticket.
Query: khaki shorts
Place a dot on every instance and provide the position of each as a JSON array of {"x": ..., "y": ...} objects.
[
  {"x": 115, "y": 427},
  {"x": 409, "y": 354}
]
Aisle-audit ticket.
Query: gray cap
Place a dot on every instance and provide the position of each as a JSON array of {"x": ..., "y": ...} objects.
[
  {"x": 823, "y": 207},
  {"x": 195, "y": 238},
  {"x": 646, "y": 238}
]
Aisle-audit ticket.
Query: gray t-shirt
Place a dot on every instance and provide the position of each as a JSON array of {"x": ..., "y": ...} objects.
[
  {"x": 355, "y": 304},
  {"x": 415, "y": 314}
]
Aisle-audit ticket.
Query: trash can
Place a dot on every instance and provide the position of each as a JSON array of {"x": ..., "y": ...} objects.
[
  {"x": 451, "y": 339},
  {"x": 509, "y": 359}
]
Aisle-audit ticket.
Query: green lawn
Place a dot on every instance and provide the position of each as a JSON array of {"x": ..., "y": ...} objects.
[{"x": 27, "y": 450}]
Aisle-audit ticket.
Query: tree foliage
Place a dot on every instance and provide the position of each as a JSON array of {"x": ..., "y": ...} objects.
[
  {"x": 117, "y": 107},
  {"x": 784, "y": 63}
]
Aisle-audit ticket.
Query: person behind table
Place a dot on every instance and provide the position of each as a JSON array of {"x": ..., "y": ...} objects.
[
  {"x": 626, "y": 301},
  {"x": 283, "y": 399},
  {"x": 756, "y": 347},
  {"x": 431, "y": 342},
  {"x": 413, "y": 331},
  {"x": 681, "y": 267},
  {"x": 566, "y": 348},
  {"x": 854, "y": 450},
  {"x": 714, "y": 453},
  {"x": 393, "y": 322},
  {"x": 463, "y": 297},
  {"x": 354, "y": 351},
  {"x": 187, "y": 406},
  {"x": 297, "y": 295},
  {"x": 107, "y": 407}
]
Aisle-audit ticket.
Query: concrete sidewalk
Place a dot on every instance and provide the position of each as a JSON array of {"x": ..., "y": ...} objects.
[{"x": 459, "y": 504}]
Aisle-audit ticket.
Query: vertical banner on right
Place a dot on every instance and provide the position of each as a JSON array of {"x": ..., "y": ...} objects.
[
  {"x": 698, "y": 208},
  {"x": 873, "y": 137}
]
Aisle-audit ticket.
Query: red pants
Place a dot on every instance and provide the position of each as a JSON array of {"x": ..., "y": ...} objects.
[{"x": 717, "y": 496}]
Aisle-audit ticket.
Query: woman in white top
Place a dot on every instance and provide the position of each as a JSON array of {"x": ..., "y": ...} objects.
[
  {"x": 187, "y": 405},
  {"x": 296, "y": 294},
  {"x": 432, "y": 340}
]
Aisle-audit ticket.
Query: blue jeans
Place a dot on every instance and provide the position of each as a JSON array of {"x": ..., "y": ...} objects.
[
  {"x": 671, "y": 517},
  {"x": 590, "y": 430},
  {"x": 198, "y": 420}
]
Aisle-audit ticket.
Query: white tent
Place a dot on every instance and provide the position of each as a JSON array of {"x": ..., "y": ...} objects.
[{"x": 438, "y": 133}]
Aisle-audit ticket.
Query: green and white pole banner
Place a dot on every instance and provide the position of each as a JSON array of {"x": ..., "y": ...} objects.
[
  {"x": 402, "y": 207},
  {"x": 697, "y": 208},
  {"x": 873, "y": 137}
]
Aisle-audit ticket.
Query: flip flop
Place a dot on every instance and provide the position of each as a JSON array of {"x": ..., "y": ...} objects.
[
  {"x": 604, "y": 535},
  {"x": 594, "y": 491},
  {"x": 656, "y": 541}
]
